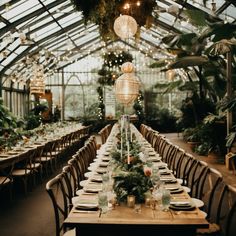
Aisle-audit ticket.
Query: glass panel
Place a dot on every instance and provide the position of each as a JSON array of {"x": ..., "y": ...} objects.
[
  {"x": 199, "y": 4},
  {"x": 2, "y": 25},
  {"x": 39, "y": 21},
  {"x": 50, "y": 29},
  {"x": 9, "y": 59},
  {"x": 24, "y": 8},
  {"x": 229, "y": 14}
]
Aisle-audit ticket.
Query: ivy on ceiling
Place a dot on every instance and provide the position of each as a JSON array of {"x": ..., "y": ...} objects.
[{"x": 103, "y": 13}]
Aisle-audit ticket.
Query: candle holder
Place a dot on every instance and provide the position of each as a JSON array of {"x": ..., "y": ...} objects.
[{"x": 131, "y": 201}]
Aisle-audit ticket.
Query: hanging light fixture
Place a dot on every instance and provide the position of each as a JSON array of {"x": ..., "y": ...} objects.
[
  {"x": 37, "y": 84},
  {"x": 125, "y": 26},
  {"x": 127, "y": 85}
]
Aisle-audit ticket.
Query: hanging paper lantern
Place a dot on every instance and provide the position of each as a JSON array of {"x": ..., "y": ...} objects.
[
  {"x": 125, "y": 26},
  {"x": 127, "y": 67},
  {"x": 127, "y": 85}
]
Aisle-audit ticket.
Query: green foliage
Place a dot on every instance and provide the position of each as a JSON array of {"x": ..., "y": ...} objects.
[
  {"x": 32, "y": 121},
  {"x": 103, "y": 13},
  {"x": 114, "y": 59},
  {"x": 159, "y": 64},
  {"x": 196, "y": 17},
  {"x": 130, "y": 179},
  {"x": 10, "y": 127},
  {"x": 194, "y": 110},
  {"x": 209, "y": 134},
  {"x": 139, "y": 109}
]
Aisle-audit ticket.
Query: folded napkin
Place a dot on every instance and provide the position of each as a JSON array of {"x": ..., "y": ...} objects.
[
  {"x": 87, "y": 207},
  {"x": 172, "y": 188},
  {"x": 181, "y": 203},
  {"x": 106, "y": 158},
  {"x": 93, "y": 187},
  {"x": 96, "y": 178},
  {"x": 103, "y": 164},
  {"x": 4, "y": 155},
  {"x": 168, "y": 180}
]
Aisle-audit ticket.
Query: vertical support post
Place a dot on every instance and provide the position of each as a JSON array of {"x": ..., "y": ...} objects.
[
  {"x": 63, "y": 95},
  {"x": 229, "y": 89},
  {"x": 0, "y": 86}
]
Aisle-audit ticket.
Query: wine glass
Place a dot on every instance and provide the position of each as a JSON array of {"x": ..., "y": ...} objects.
[{"x": 155, "y": 177}]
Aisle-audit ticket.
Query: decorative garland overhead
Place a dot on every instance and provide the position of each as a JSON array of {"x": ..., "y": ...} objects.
[{"x": 103, "y": 13}]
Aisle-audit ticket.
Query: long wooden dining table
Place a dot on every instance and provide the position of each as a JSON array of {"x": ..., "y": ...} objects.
[
  {"x": 17, "y": 154},
  {"x": 123, "y": 220}
]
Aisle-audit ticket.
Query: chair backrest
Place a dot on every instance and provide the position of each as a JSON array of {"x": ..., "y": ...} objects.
[
  {"x": 174, "y": 158},
  {"x": 71, "y": 181},
  {"x": 223, "y": 209},
  {"x": 197, "y": 178},
  {"x": 210, "y": 190},
  {"x": 57, "y": 190},
  {"x": 79, "y": 165},
  {"x": 78, "y": 175},
  {"x": 229, "y": 228},
  {"x": 185, "y": 167}
]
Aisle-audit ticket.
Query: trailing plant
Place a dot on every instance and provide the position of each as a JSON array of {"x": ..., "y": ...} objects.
[
  {"x": 103, "y": 13},
  {"x": 139, "y": 110}
]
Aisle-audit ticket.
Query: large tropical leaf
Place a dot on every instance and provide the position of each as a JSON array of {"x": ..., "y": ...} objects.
[
  {"x": 219, "y": 31},
  {"x": 178, "y": 51},
  {"x": 188, "y": 61},
  {"x": 179, "y": 40},
  {"x": 191, "y": 86},
  {"x": 173, "y": 85},
  {"x": 158, "y": 64},
  {"x": 196, "y": 17},
  {"x": 221, "y": 47}
]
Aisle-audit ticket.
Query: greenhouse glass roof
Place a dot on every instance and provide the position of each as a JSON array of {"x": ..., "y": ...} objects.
[{"x": 54, "y": 33}]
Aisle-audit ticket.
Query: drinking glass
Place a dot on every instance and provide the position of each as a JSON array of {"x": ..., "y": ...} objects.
[
  {"x": 105, "y": 181},
  {"x": 103, "y": 201},
  {"x": 155, "y": 177},
  {"x": 165, "y": 199}
]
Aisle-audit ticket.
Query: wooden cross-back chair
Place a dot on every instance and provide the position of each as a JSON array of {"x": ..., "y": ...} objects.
[{"x": 57, "y": 190}]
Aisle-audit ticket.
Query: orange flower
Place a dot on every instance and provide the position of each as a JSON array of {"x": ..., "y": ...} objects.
[{"x": 147, "y": 171}]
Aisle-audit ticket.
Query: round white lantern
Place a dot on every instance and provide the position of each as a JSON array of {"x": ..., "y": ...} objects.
[
  {"x": 125, "y": 26},
  {"x": 127, "y": 88}
]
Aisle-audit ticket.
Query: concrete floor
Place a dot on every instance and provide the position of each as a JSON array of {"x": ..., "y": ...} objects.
[{"x": 32, "y": 215}]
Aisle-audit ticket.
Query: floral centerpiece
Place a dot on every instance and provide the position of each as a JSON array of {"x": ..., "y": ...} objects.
[{"x": 131, "y": 174}]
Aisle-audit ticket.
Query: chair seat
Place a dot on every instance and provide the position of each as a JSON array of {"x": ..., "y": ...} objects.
[
  {"x": 4, "y": 180},
  {"x": 213, "y": 229},
  {"x": 70, "y": 233},
  {"x": 21, "y": 172}
]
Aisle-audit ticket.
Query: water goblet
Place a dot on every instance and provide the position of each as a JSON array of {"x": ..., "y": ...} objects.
[{"x": 165, "y": 199}]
